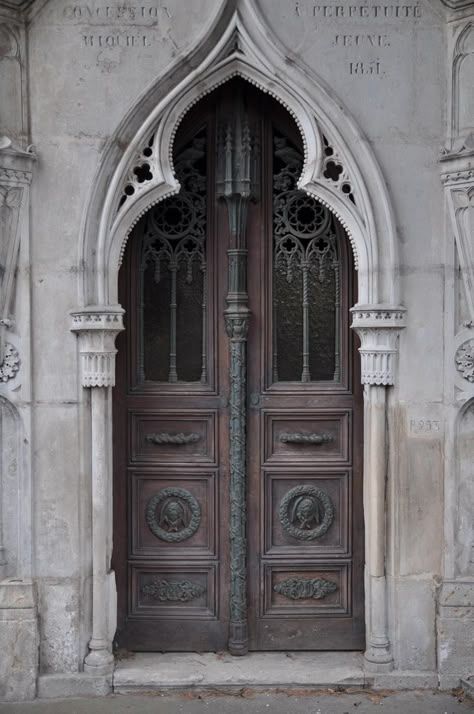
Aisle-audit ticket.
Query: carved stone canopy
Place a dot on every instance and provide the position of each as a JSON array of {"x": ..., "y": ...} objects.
[{"x": 378, "y": 327}]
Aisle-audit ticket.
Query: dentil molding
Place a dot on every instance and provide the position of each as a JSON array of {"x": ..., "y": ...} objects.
[
  {"x": 378, "y": 327},
  {"x": 97, "y": 327}
]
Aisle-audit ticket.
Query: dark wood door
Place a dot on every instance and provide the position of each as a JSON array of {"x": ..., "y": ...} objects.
[{"x": 173, "y": 454}]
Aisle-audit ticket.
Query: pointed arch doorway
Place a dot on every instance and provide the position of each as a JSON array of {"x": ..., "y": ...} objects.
[{"x": 238, "y": 516}]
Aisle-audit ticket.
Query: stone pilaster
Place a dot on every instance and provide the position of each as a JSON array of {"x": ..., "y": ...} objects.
[
  {"x": 97, "y": 327},
  {"x": 378, "y": 327}
]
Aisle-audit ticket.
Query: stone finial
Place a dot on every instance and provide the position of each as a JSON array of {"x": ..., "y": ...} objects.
[
  {"x": 378, "y": 327},
  {"x": 97, "y": 327}
]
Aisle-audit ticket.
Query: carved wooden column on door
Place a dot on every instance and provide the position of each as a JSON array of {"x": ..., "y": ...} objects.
[
  {"x": 97, "y": 327},
  {"x": 378, "y": 327}
]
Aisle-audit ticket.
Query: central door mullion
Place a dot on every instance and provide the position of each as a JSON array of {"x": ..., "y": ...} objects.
[{"x": 236, "y": 176}]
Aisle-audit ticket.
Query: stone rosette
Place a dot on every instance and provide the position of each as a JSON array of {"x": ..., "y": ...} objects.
[
  {"x": 465, "y": 360},
  {"x": 10, "y": 364}
]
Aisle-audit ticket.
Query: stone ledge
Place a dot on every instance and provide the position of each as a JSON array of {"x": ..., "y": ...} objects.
[
  {"x": 401, "y": 679},
  {"x": 16, "y": 594},
  {"x": 77, "y": 684},
  {"x": 468, "y": 686}
]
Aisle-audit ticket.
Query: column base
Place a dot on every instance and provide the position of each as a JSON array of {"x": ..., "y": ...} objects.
[
  {"x": 99, "y": 661},
  {"x": 378, "y": 658},
  {"x": 238, "y": 640}
]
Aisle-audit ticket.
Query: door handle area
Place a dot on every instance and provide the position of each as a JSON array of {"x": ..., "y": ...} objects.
[
  {"x": 298, "y": 438},
  {"x": 178, "y": 439}
]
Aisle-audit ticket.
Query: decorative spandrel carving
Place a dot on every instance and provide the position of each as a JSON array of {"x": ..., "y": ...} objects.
[
  {"x": 302, "y": 589},
  {"x": 173, "y": 515},
  {"x": 306, "y": 277},
  {"x": 140, "y": 173},
  {"x": 306, "y": 512},
  {"x": 173, "y": 277},
  {"x": 173, "y": 591},
  {"x": 465, "y": 360},
  {"x": 335, "y": 171}
]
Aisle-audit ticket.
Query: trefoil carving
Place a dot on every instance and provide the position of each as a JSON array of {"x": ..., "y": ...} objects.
[{"x": 335, "y": 171}]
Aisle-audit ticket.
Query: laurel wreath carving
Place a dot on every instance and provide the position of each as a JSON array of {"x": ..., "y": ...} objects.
[
  {"x": 151, "y": 512},
  {"x": 287, "y": 505}
]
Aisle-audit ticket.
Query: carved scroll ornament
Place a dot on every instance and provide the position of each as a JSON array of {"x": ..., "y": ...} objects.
[
  {"x": 300, "y": 589},
  {"x": 178, "y": 439},
  {"x": 170, "y": 591},
  {"x": 298, "y": 438}
]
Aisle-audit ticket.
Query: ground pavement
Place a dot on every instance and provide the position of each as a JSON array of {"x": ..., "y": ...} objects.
[{"x": 246, "y": 701}]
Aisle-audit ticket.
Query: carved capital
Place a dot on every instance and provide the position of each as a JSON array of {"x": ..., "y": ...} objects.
[
  {"x": 378, "y": 327},
  {"x": 97, "y": 327}
]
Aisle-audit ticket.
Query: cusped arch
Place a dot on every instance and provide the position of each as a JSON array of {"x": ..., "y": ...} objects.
[{"x": 243, "y": 49}]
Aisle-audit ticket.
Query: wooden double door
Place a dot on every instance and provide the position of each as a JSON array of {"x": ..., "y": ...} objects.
[{"x": 237, "y": 412}]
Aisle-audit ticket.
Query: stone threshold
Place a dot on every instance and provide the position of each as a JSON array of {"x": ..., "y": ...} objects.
[
  {"x": 141, "y": 673},
  {"x": 148, "y": 672}
]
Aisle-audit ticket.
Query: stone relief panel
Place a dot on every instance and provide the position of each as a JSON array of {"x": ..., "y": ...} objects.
[
  {"x": 11, "y": 105},
  {"x": 10, "y": 494},
  {"x": 462, "y": 112},
  {"x": 465, "y": 491}
]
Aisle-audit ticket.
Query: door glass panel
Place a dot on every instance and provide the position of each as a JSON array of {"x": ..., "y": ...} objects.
[
  {"x": 306, "y": 277},
  {"x": 172, "y": 276}
]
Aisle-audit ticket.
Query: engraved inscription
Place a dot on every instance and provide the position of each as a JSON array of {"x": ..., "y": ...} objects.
[
  {"x": 364, "y": 39},
  {"x": 122, "y": 13},
  {"x": 353, "y": 11},
  {"x": 425, "y": 426},
  {"x": 120, "y": 25}
]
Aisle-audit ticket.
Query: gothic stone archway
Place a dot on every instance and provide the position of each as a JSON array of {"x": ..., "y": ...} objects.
[{"x": 240, "y": 46}]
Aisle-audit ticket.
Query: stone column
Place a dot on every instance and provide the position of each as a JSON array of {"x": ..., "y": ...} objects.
[
  {"x": 378, "y": 327},
  {"x": 97, "y": 328}
]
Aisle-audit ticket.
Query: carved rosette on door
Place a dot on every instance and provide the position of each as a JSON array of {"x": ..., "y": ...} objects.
[{"x": 244, "y": 527}]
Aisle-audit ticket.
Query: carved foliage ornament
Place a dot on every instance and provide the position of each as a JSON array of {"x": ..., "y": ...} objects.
[
  {"x": 306, "y": 512},
  {"x": 465, "y": 360},
  {"x": 300, "y": 589},
  {"x": 173, "y": 515},
  {"x": 10, "y": 364},
  {"x": 170, "y": 591}
]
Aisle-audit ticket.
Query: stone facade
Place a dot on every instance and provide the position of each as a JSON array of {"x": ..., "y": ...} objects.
[{"x": 82, "y": 89}]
